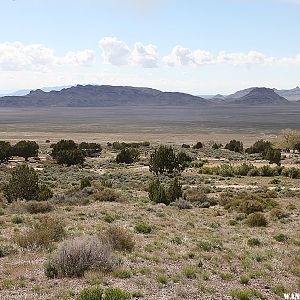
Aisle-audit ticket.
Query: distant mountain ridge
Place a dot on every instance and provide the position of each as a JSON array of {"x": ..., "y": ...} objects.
[
  {"x": 27, "y": 91},
  {"x": 291, "y": 95},
  {"x": 106, "y": 95},
  {"x": 101, "y": 96},
  {"x": 261, "y": 96}
]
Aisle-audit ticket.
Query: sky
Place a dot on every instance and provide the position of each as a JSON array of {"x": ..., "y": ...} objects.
[{"x": 193, "y": 46}]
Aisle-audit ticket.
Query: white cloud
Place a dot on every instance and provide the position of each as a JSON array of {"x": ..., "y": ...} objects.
[
  {"x": 114, "y": 51},
  {"x": 181, "y": 56},
  {"x": 145, "y": 56},
  {"x": 118, "y": 53},
  {"x": 85, "y": 57},
  {"x": 252, "y": 57},
  {"x": 15, "y": 56}
]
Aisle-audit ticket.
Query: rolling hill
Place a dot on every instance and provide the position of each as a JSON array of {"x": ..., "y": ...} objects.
[
  {"x": 261, "y": 96},
  {"x": 101, "y": 96}
]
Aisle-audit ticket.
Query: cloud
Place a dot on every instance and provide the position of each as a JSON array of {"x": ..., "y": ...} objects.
[
  {"x": 80, "y": 58},
  {"x": 252, "y": 57},
  {"x": 145, "y": 56},
  {"x": 181, "y": 56},
  {"x": 15, "y": 56},
  {"x": 114, "y": 51},
  {"x": 117, "y": 52}
]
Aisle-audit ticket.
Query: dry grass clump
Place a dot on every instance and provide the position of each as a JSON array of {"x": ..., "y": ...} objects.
[
  {"x": 199, "y": 196},
  {"x": 41, "y": 233},
  {"x": 257, "y": 219},
  {"x": 74, "y": 257},
  {"x": 32, "y": 207},
  {"x": 38, "y": 207},
  {"x": 278, "y": 214},
  {"x": 119, "y": 238},
  {"x": 248, "y": 203},
  {"x": 107, "y": 195}
]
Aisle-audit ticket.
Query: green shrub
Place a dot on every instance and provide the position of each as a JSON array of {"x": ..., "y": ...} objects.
[
  {"x": 23, "y": 184},
  {"x": 282, "y": 238},
  {"x": 165, "y": 160},
  {"x": 122, "y": 273},
  {"x": 6, "y": 151},
  {"x": 128, "y": 156},
  {"x": 90, "y": 149},
  {"x": 235, "y": 146},
  {"x": 244, "y": 279},
  {"x": 279, "y": 290},
  {"x": 75, "y": 256},
  {"x": 198, "y": 145},
  {"x": 260, "y": 146},
  {"x": 241, "y": 294},
  {"x": 45, "y": 193},
  {"x": 257, "y": 219},
  {"x": 85, "y": 182},
  {"x": 26, "y": 149},
  {"x": 143, "y": 228},
  {"x": 226, "y": 276},
  {"x": 17, "y": 219},
  {"x": 190, "y": 272},
  {"x": 162, "y": 279},
  {"x": 174, "y": 190},
  {"x": 6, "y": 250},
  {"x": 116, "y": 294},
  {"x": 254, "y": 242},
  {"x": 49, "y": 270},
  {"x": 157, "y": 192},
  {"x": 267, "y": 171},
  {"x": 67, "y": 152},
  {"x": 91, "y": 293},
  {"x": 273, "y": 156}
]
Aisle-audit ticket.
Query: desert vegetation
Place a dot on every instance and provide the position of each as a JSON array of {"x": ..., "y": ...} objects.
[{"x": 130, "y": 220}]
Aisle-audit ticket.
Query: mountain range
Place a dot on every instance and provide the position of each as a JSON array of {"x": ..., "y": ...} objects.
[{"x": 106, "y": 95}]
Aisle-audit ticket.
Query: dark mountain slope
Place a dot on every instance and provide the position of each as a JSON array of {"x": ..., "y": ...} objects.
[
  {"x": 101, "y": 96},
  {"x": 261, "y": 96}
]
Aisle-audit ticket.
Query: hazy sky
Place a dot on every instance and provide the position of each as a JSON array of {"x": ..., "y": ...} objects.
[{"x": 195, "y": 46}]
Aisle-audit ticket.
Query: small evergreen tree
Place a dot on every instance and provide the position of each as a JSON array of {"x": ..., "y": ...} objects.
[
  {"x": 90, "y": 149},
  {"x": 70, "y": 157},
  {"x": 157, "y": 192},
  {"x": 128, "y": 156},
  {"x": 297, "y": 146},
  {"x": 198, "y": 145},
  {"x": 174, "y": 191},
  {"x": 235, "y": 146},
  {"x": 164, "y": 160},
  {"x": 85, "y": 182},
  {"x": 23, "y": 184},
  {"x": 26, "y": 149},
  {"x": 260, "y": 146},
  {"x": 45, "y": 193},
  {"x": 182, "y": 161},
  {"x": 67, "y": 152},
  {"x": 216, "y": 146},
  {"x": 5, "y": 151},
  {"x": 273, "y": 156}
]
